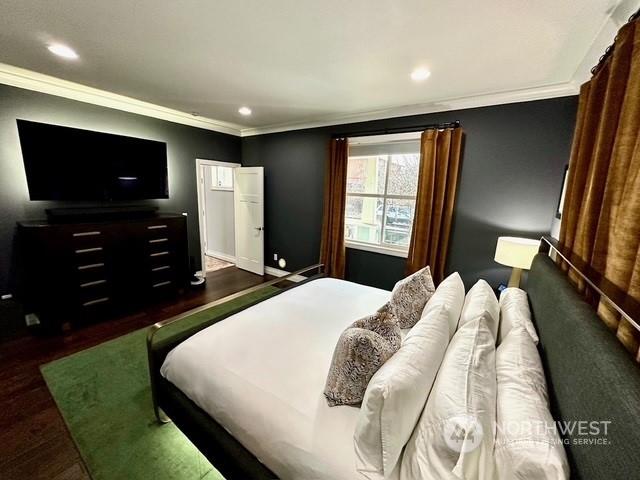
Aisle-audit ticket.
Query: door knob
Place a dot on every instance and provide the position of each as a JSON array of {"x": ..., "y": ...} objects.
[{"x": 259, "y": 228}]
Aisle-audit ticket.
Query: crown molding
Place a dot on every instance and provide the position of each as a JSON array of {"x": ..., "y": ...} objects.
[
  {"x": 30, "y": 80},
  {"x": 459, "y": 103},
  {"x": 618, "y": 17}
]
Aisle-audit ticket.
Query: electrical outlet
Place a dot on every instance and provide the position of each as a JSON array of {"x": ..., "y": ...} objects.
[
  {"x": 31, "y": 319},
  {"x": 275, "y": 256},
  {"x": 7, "y": 296}
]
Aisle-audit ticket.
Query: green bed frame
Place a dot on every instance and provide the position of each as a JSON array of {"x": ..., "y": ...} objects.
[{"x": 590, "y": 377}]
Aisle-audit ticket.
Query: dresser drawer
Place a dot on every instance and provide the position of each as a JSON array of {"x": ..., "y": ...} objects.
[
  {"x": 157, "y": 227},
  {"x": 94, "y": 309},
  {"x": 86, "y": 257},
  {"x": 159, "y": 259},
  {"x": 162, "y": 274},
  {"x": 91, "y": 272},
  {"x": 157, "y": 245},
  {"x": 87, "y": 238},
  {"x": 162, "y": 288}
]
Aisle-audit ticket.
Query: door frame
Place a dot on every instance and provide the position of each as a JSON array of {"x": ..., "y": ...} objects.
[{"x": 202, "y": 210}]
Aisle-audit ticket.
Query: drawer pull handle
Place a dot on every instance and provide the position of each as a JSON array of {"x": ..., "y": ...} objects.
[
  {"x": 161, "y": 284},
  {"x": 156, "y": 227},
  {"x": 91, "y": 284},
  {"x": 91, "y": 265},
  {"x": 87, "y": 250},
  {"x": 159, "y": 240},
  {"x": 159, "y": 254},
  {"x": 96, "y": 301},
  {"x": 157, "y": 269},
  {"x": 86, "y": 234}
]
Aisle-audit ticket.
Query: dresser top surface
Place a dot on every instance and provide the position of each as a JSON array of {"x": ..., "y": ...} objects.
[{"x": 103, "y": 221}]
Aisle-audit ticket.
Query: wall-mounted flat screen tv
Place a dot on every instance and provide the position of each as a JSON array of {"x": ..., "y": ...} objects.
[{"x": 65, "y": 163}]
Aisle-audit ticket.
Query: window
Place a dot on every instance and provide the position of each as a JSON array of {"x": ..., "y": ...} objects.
[
  {"x": 382, "y": 181},
  {"x": 221, "y": 178}
]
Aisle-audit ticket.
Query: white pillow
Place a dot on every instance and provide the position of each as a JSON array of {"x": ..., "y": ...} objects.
[
  {"x": 527, "y": 443},
  {"x": 397, "y": 393},
  {"x": 442, "y": 445},
  {"x": 481, "y": 299},
  {"x": 450, "y": 292},
  {"x": 514, "y": 311}
]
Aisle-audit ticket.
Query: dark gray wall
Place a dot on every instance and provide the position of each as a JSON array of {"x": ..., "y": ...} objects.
[
  {"x": 511, "y": 175},
  {"x": 184, "y": 145}
]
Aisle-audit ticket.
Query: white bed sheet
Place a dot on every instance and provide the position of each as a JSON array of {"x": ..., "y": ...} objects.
[{"x": 261, "y": 375}]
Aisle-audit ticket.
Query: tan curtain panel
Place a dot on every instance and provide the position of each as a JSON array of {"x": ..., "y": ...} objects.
[
  {"x": 332, "y": 250},
  {"x": 437, "y": 186},
  {"x": 601, "y": 216}
]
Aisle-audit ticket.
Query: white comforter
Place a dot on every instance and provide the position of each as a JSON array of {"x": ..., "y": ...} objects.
[{"x": 261, "y": 374}]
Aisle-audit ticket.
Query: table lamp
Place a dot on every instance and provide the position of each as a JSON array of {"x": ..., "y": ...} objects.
[{"x": 517, "y": 253}]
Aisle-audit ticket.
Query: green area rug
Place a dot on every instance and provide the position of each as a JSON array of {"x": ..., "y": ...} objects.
[{"x": 105, "y": 399}]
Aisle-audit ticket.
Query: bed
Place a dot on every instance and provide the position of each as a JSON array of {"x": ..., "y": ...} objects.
[
  {"x": 257, "y": 409},
  {"x": 267, "y": 394}
]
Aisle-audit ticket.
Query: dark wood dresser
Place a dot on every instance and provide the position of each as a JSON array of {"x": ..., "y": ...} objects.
[{"x": 80, "y": 272}]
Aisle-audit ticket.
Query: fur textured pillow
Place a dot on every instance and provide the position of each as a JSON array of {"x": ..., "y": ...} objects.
[
  {"x": 384, "y": 323},
  {"x": 361, "y": 350},
  {"x": 410, "y": 295}
]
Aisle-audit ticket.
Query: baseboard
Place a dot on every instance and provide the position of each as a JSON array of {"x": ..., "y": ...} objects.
[
  {"x": 222, "y": 256},
  {"x": 276, "y": 272}
]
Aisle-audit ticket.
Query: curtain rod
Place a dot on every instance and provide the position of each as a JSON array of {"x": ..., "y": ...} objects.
[
  {"x": 609, "y": 50},
  {"x": 386, "y": 131}
]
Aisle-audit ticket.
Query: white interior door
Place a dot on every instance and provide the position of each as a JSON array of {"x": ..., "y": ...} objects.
[{"x": 248, "y": 196}]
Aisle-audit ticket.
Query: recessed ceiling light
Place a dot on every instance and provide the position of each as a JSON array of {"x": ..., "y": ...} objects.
[
  {"x": 62, "y": 51},
  {"x": 420, "y": 74},
  {"x": 244, "y": 111}
]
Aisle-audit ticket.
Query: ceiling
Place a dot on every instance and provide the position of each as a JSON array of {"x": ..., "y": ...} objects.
[{"x": 304, "y": 62}]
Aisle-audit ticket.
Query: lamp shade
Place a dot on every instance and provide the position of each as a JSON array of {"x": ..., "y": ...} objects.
[{"x": 516, "y": 252}]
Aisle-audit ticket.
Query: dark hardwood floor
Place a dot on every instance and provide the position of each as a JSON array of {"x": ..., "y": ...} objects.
[{"x": 34, "y": 441}]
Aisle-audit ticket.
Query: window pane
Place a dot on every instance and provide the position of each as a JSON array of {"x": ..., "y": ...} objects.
[
  {"x": 403, "y": 174},
  {"x": 221, "y": 178},
  {"x": 397, "y": 231},
  {"x": 363, "y": 219},
  {"x": 225, "y": 177},
  {"x": 366, "y": 174}
]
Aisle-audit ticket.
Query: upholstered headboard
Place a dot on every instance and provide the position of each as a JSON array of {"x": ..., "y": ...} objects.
[{"x": 590, "y": 376}]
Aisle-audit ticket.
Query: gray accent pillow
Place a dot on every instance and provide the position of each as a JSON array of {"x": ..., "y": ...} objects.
[
  {"x": 410, "y": 295},
  {"x": 384, "y": 323},
  {"x": 361, "y": 350}
]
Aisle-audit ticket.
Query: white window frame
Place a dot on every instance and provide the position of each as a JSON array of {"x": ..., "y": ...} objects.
[
  {"x": 215, "y": 168},
  {"x": 381, "y": 248}
]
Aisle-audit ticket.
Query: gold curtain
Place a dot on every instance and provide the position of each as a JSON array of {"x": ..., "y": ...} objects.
[
  {"x": 437, "y": 185},
  {"x": 332, "y": 250},
  {"x": 601, "y": 216}
]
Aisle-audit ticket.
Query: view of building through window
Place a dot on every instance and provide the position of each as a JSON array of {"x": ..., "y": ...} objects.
[{"x": 381, "y": 199}]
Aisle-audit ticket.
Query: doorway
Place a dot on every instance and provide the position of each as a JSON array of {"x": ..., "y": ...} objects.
[{"x": 216, "y": 214}]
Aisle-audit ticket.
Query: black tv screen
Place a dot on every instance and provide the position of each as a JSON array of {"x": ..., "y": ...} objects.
[{"x": 65, "y": 163}]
